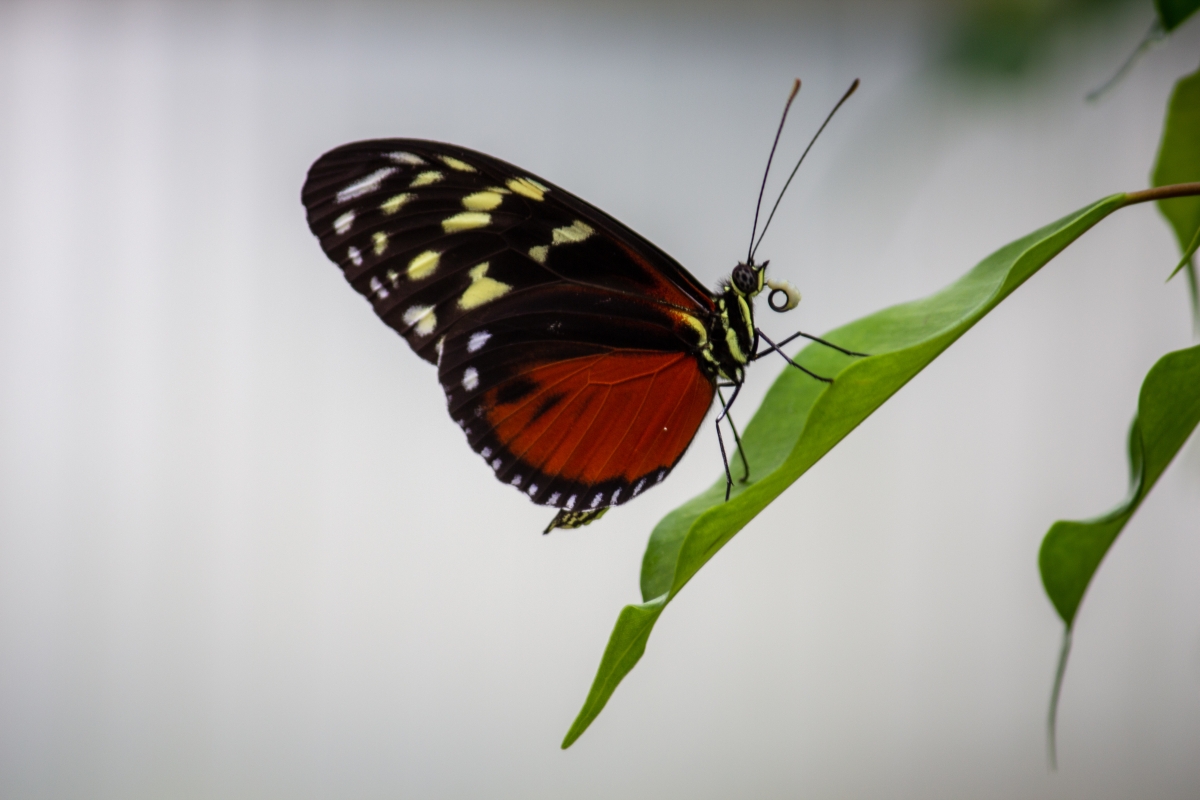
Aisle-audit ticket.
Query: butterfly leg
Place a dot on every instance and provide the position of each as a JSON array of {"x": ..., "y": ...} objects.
[
  {"x": 772, "y": 346},
  {"x": 737, "y": 439},
  {"x": 721, "y": 441},
  {"x": 819, "y": 340}
]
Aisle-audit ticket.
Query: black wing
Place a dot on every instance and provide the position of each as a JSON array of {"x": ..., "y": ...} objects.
[{"x": 430, "y": 233}]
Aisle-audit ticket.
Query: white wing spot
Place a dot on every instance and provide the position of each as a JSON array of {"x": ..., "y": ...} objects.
[
  {"x": 395, "y": 203},
  {"x": 421, "y": 319},
  {"x": 662, "y": 473},
  {"x": 401, "y": 157},
  {"x": 378, "y": 289},
  {"x": 533, "y": 487},
  {"x": 426, "y": 179},
  {"x": 616, "y": 494},
  {"x": 423, "y": 265},
  {"x": 454, "y": 163},
  {"x": 486, "y": 452},
  {"x": 570, "y": 503},
  {"x": 470, "y": 379},
  {"x": 640, "y": 485},
  {"x": 465, "y": 221},
  {"x": 516, "y": 481},
  {"x": 477, "y": 341},
  {"x": 440, "y": 346},
  {"x": 497, "y": 464},
  {"x": 355, "y": 256},
  {"x": 379, "y": 240},
  {"x": 552, "y": 499},
  {"x": 364, "y": 185},
  {"x": 597, "y": 499},
  {"x": 343, "y": 223}
]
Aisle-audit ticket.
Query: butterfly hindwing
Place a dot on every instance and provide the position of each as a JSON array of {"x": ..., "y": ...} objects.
[{"x": 576, "y": 413}]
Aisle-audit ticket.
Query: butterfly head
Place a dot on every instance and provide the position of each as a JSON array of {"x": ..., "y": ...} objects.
[{"x": 748, "y": 280}]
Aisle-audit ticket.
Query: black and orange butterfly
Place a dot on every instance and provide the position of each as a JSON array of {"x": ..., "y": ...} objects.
[{"x": 578, "y": 358}]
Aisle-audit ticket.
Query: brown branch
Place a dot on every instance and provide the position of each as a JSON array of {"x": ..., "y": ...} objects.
[{"x": 1163, "y": 192}]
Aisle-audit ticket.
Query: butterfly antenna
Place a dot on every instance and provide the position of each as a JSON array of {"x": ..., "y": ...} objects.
[
  {"x": 767, "y": 171},
  {"x": 771, "y": 216}
]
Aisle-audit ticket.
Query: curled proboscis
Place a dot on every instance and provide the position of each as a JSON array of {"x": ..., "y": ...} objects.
[{"x": 790, "y": 296}]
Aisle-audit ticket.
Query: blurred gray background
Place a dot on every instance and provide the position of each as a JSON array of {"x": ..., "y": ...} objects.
[{"x": 244, "y": 552}]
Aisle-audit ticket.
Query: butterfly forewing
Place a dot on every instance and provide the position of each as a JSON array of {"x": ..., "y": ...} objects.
[{"x": 567, "y": 344}]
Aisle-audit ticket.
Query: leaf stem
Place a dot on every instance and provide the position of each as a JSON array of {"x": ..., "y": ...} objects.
[
  {"x": 1052, "y": 719},
  {"x": 1163, "y": 193}
]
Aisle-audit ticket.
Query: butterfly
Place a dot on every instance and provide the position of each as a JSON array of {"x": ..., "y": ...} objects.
[{"x": 578, "y": 358}]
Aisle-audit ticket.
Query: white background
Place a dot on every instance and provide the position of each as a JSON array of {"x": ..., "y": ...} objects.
[{"x": 245, "y": 553}]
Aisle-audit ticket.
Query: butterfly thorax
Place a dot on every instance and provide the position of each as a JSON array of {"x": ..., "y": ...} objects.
[{"x": 731, "y": 335}]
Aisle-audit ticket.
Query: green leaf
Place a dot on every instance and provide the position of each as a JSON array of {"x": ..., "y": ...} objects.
[
  {"x": 1172, "y": 13},
  {"x": 800, "y": 420},
  {"x": 1188, "y": 252},
  {"x": 1179, "y": 157},
  {"x": 1179, "y": 162},
  {"x": 1168, "y": 412}
]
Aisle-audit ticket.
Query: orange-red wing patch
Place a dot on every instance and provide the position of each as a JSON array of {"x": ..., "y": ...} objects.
[{"x": 600, "y": 427}]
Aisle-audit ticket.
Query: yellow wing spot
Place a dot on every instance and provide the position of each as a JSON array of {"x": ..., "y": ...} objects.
[
  {"x": 380, "y": 240},
  {"x": 394, "y": 204},
  {"x": 539, "y": 253},
  {"x": 577, "y": 231},
  {"x": 423, "y": 265},
  {"x": 465, "y": 221},
  {"x": 482, "y": 201},
  {"x": 498, "y": 190},
  {"x": 482, "y": 289},
  {"x": 528, "y": 188},
  {"x": 421, "y": 319},
  {"x": 426, "y": 179},
  {"x": 393, "y": 277},
  {"x": 454, "y": 163},
  {"x": 694, "y": 323}
]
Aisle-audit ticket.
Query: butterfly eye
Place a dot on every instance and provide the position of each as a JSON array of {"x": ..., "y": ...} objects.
[{"x": 744, "y": 279}]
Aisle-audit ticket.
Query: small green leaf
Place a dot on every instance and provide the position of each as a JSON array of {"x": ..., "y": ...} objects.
[
  {"x": 1172, "y": 13},
  {"x": 800, "y": 420},
  {"x": 1187, "y": 254},
  {"x": 1179, "y": 162},
  {"x": 1168, "y": 411},
  {"x": 1179, "y": 157}
]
